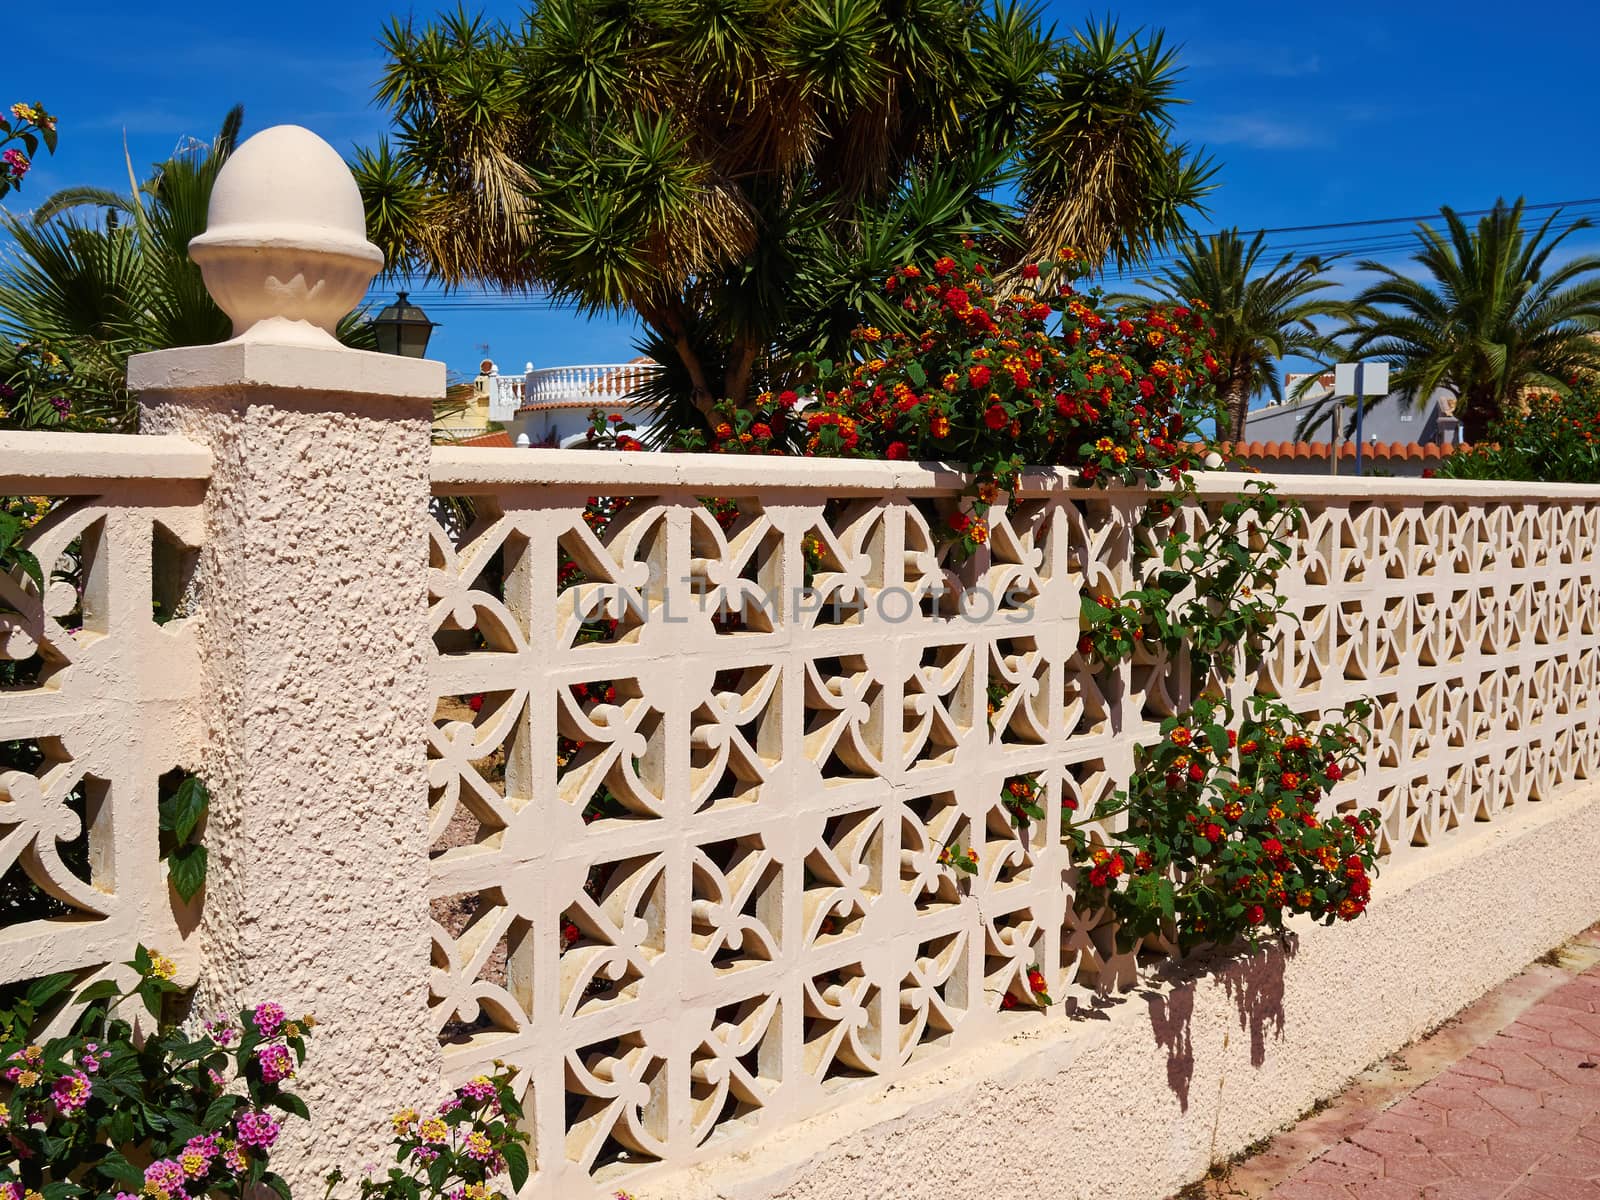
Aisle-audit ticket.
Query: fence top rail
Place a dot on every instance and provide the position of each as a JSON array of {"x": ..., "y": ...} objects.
[
  {"x": 469, "y": 470},
  {"x": 37, "y": 462}
]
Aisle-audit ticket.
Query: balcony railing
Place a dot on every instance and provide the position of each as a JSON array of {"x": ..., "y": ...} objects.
[{"x": 595, "y": 383}]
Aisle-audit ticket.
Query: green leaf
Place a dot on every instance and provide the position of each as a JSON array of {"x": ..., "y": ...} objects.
[
  {"x": 186, "y": 868},
  {"x": 291, "y": 1103},
  {"x": 29, "y": 564},
  {"x": 516, "y": 1157},
  {"x": 182, "y": 811},
  {"x": 151, "y": 995},
  {"x": 219, "y": 1110},
  {"x": 1093, "y": 611},
  {"x": 115, "y": 1166},
  {"x": 919, "y": 378},
  {"x": 278, "y": 1184},
  {"x": 438, "y": 1171},
  {"x": 44, "y": 990},
  {"x": 105, "y": 989}
]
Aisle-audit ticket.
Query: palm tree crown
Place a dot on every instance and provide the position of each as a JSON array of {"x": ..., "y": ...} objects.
[
  {"x": 1260, "y": 315},
  {"x": 83, "y": 290},
  {"x": 739, "y": 175},
  {"x": 79, "y": 296},
  {"x": 1488, "y": 318}
]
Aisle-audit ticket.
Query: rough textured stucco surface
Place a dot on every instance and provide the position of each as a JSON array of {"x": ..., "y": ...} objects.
[
  {"x": 1134, "y": 1101},
  {"x": 313, "y": 583}
]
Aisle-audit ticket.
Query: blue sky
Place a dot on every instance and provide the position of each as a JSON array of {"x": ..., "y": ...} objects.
[{"x": 1319, "y": 112}]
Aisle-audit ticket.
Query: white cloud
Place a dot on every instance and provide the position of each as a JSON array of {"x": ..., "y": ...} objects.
[{"x": 1253, "y": 131}]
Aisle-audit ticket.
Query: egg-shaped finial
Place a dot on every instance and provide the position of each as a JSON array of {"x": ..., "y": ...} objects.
[{"x": 285, "y": 252}]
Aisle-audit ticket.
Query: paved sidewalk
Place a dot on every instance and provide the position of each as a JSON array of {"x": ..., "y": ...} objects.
[{"x": 1508, "y": 1106}]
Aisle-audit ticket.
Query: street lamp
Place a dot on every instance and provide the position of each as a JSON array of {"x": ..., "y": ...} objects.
[{"x": 403, "y": 328}]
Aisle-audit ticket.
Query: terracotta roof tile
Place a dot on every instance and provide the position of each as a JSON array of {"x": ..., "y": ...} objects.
[
  {"x": 498, "y": 438},
  {"x": 1305, "y": 450}
]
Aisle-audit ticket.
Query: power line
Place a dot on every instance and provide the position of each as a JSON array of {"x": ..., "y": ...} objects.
[
  {"x": 475, "y": 298},
  {"x": 1474, "y": 212}
]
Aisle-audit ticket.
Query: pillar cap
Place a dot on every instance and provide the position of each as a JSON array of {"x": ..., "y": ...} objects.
[
  {"x": 289, "y": 372},
  {"x": 285, "y": 252}
]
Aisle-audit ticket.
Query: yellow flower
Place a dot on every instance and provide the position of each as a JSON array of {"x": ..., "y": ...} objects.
[
  {"x": 27, "y": 1079},
  {"x": 433, "y": 1130},
  {"x": 5, "y": 1116},
  {"x": 404, "y": 1120},
  {"x": 162, "y": 967}
]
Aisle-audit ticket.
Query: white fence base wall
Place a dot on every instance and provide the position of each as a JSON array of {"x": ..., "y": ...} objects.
[{"x": 1140, "y": 1098}]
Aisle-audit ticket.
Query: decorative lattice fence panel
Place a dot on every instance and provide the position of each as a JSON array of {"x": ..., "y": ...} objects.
[
  {"x": 99, "y": 695},
  {"x": 693, "y": 773}
]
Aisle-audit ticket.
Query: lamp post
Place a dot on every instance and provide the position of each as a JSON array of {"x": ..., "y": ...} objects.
[{"x": 402, "y": 328}]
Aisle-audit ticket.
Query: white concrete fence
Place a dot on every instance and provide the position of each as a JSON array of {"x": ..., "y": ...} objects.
[{"x": 642, "y": 817}]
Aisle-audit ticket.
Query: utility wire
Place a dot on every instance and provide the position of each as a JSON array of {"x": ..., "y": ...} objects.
[{"x": 481, "y": 298}]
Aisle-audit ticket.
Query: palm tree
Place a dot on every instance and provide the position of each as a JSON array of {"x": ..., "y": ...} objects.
[
  {"x": 82, "y": 296},
  {"x": 737, "y": 174},
  {"x": 1099, "y": 170},
  {"x": 1489, "y": 318},
  {"x": 1260, "y": 315},
  {"x": 79, "y": 296}
]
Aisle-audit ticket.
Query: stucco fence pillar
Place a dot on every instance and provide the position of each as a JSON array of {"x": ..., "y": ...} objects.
[{"x": 313, "y": 583}]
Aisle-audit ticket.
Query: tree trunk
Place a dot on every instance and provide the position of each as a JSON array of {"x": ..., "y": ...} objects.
[
  {"x": 668, "y": 321},
  {"x": 1475, "y": 424},
  {"x": 1236, "y": 401},
  {"x": 1477, "y": 410},
  {"x": 741, "y": 363}
]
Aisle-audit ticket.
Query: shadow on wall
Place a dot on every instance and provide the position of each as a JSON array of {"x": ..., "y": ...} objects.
[{"x": 1252, "y": 979}]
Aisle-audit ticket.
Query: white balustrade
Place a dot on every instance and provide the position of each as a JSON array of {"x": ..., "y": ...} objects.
[{"x": 587, "y": 385}]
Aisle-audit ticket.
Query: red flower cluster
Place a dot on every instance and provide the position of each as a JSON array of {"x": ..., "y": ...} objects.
[
  {"x": 1002, "y": 377},
  {"x": 1224, "y": 835}
]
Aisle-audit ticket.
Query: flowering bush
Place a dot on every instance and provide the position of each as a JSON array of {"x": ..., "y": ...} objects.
[
  {"x": 19, "y": 514},
  {"x": 611, "y": 431},
  {"x": 104, "y": 1113},
  {"x": 454, "y": 1153},
  {"x": 1001, "y": 378},
  {"x": 37, "y": 390},
  {"x": 1208, "y": 593},
  {"x": 1554, "y": 438},
  {"x": 32, "y": 126},
  {"x": 1223, "y": 838}
]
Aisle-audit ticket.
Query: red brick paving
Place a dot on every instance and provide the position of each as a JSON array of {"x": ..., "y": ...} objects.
[{"x": 1518, "y": 1118}]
